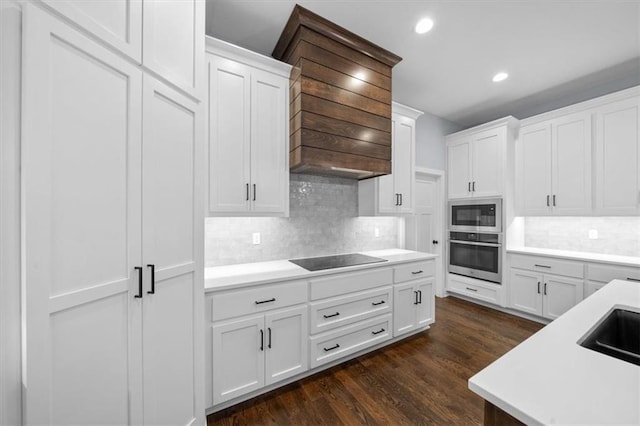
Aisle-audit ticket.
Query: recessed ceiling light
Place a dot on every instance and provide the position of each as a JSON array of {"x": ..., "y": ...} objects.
[
  {"x": 500, "y": 76},
  {"x": 424, "y": 25}
]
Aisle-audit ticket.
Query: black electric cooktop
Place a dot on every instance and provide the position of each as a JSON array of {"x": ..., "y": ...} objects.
[{"x": 338, "y": 261}]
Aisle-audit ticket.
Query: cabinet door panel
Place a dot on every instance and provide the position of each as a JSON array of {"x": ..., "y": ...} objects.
[
  {"x": 117, "y": 22},
  {"x": 238, "y": 361},
  {"x": 571, "y": 181},
  {"x": 618, "y": 158},
  {"x": 173, "y": 41},
  {"x": 525, "y": 291},
  {"x": 229, "y": 135},
  {"x": 286, "y": 344},
  {"x": 81, "y": 194},
  {"x": 403, "y": 163},
  {"x": 387, "y": 196},
  {"x": 487, "y": 178},
  {"x": 269, "y": 143},
  {"x": 404, "y": 308},
  {"x": 426, "y": 308},
  {"x": 561, "y": 295},
  {"x": 459, "y": 168},
  {"x": 535, "y": 169},
  {"x": 172, "y": 217}
]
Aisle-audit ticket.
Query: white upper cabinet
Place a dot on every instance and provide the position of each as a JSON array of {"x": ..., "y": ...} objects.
[
  {"x": 476, "y": 160},
  {"x": 248, "y": 133},
  {"x": 167, "y": 37},
  {"x": 394, "y": 194},
  {"x": 173, "y": 42},
  {"x": 617, "y": 158},
  {"x": 555, "y": 166}
]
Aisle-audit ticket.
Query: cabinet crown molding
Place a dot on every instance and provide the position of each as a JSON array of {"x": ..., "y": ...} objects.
[
  {"x": 405, "y": 110},
  {"x": 508, "y": 121},
  {"x": 248, "y": 57}
]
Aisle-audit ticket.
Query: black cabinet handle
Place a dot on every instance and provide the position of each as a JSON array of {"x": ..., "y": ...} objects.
[
  {"x": 153, "y": 279},
  {"x": 473, "y": 186},
  {"x": 547, "y": 201},
  {"x": 332, "y": 315},
  {"x": 416, "y": 294},
  {"x": 254, "y": 192},
  {"x": 633, "y": 279},
  {"x": 269, "y": 344},
  {"x": 261, "y": 339},
  {"x": 247, "y": 192},
  {"x": 331, "y": 348},
  {"x": 397, "y": 200},
  {"x": 471, "y": 289},
  {"x": 401, "y": 199},
  {"x": 378, "y": 332},
  {"x": 469, "y": 187},
  {"x": 554, "y": 200},
  {"x": 417, "y": 272},
  {"x": 420, "y": 297},
  {"x": 545, "y": 289},
  {"x": 538, "y": 287},
  {"x": 377, "y": 303},
  {"x": 273, "y": 299},
  {"x": 542, "y": 266},
  {"x": 139, "y": 269}
]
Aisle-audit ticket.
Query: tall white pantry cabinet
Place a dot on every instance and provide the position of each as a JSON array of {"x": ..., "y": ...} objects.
[{"x": 112, "y": 213}]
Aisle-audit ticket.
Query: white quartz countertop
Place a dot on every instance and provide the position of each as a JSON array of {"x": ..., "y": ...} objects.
[
  {"x": 229, "y": 276},
  {"x": 578, "y": 255},
  {"x": 551, "y": 379}
]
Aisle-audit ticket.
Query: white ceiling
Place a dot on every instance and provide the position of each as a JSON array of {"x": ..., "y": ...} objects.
[{"x": 551, "y": 49}]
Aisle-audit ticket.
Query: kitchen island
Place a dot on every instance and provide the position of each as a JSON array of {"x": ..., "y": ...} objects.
[{"x": 551, "y": 379}]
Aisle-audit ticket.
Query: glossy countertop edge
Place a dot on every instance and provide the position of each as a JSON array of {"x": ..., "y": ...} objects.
[
  {"x": 549, "y": 378},
  {"x": 218, "y": 278},
  {"x": 578, "y": 255}
]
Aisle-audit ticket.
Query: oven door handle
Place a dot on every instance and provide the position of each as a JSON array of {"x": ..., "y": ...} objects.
[{"x": 473, "y": 243}]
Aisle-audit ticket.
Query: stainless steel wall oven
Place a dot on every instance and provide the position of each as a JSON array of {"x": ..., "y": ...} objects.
[{"x": 476, "y": 255}]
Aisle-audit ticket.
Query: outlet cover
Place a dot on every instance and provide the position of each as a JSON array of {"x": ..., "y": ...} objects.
[
  {"x": 376, "y": 232},
  {"x": 593, "y": 234},
  {"x": 256, "y": 237}
]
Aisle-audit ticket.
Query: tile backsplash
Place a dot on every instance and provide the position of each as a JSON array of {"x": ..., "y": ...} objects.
[
  {"x": 323, "y": 221},
  {"x": 615, "y": 235}
]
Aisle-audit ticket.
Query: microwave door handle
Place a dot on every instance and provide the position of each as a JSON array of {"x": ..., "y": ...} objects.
[{"x": 473, "y": 243}]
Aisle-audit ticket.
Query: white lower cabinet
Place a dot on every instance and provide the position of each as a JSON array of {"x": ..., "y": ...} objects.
[
  {"x": 413, "y": 305},
  {"x": 598, "y": 275},
  {"x": 548, "y": 296},
  {"x": 258, "y": 350}
]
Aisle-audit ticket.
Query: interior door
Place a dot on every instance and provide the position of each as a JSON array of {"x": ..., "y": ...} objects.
[
  {"x": 172, "y": 238},
  {"x": 286, "y": 352},
  {"x": 81, "y": 189}
]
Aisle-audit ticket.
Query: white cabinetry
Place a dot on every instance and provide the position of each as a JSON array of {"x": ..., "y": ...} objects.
[
  {"x": 394, "y": 194},
  {"x": 413, "y": 297},
  {"x": 617, "y": 172},
  {"x": 112, "y": 237},
  {"x": 476, "y": 159},
  {"x": 248, "y": 132},
  {"x": 544, "y": 287},
  {"x": 598, "y": 275},
  {"x": 249, "y": 349},
  {"x": 555, "y": 163}
]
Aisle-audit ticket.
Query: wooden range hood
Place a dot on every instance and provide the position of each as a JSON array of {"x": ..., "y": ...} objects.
[{"x": 340, "y": 98}]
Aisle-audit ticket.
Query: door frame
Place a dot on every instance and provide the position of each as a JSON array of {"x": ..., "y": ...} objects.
[{"x": 439, "y": 216}]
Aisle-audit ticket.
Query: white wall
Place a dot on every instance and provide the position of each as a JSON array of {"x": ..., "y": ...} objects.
[
  {"x": 430, "y": 144},
  {"x": 10, "y": 374}
]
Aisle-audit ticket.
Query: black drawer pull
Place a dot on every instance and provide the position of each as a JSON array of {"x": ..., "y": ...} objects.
[
  {"x": 471, "y": 289},
  {"x": 331, "y": 348},
  {"x": 633, "y": 279},
  {"x": 542, "y": 266},
  {"x": 273, "y": 299},
  {"x": 377, "y": 303},
  {"x": 378, "y": 332},
  {"x": 417, "y": 272},
  {"x": 332, "y": 315}
]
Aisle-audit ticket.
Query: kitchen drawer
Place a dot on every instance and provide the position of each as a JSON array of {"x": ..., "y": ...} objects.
[
  {"x": 606, "y": 273},
  {"x": 234, "y": 303},
  {"x": 487, "y": 292},
  {"x": 336, "y": 344},
  {"x": 336, "y": 285},
  {"x": 344, "y": 310},
  {"x": 548, "y": 265},
  {"x": 412, "y": 271}
]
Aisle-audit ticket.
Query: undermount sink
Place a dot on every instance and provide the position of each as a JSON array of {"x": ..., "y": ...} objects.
[{"x": 617, "y": 335}]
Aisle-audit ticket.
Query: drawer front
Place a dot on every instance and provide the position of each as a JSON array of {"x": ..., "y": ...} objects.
[
  {"x": 480, "y": 292},
  {"x": 236, "y": 303},
  {"x": 350, "y": 339},
  {"x": 606, "y": 273},
  {"x": 339, "y": 284},
  {"x": 412, "y": 271},
  {"x": 547, "y": 265},
  {"x": 343, "y": 310}
]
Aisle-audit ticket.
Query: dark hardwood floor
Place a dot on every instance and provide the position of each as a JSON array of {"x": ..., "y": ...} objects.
[{"x": 420, "y": 380}]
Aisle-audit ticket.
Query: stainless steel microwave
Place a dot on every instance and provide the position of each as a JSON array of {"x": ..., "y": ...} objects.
[{"x": 476, "y": 215}]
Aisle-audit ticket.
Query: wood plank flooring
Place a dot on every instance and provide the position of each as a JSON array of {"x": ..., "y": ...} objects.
[{"x": 421, "y": 380}]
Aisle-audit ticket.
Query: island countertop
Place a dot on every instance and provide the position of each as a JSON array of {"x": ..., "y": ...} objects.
[
  {"x": 550, "y": 379},
  {"x": 230, "y": 276}
]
